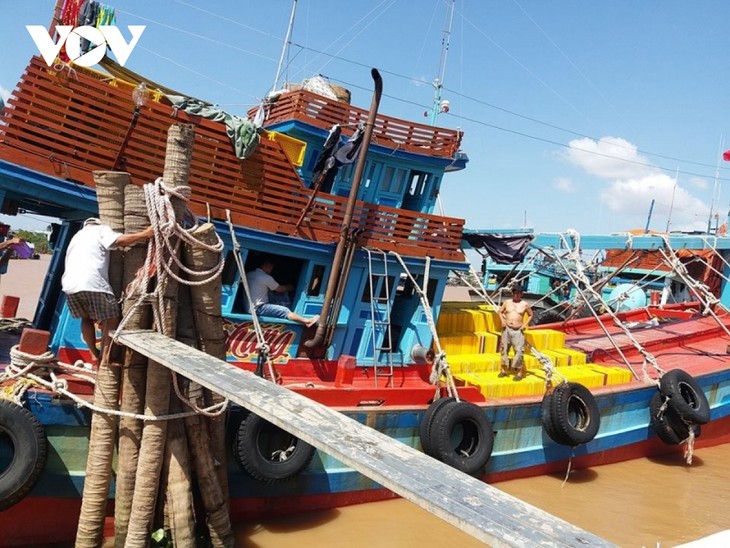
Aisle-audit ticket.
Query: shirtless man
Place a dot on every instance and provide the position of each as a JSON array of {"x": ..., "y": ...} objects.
[{"x": 516, "y": 315}]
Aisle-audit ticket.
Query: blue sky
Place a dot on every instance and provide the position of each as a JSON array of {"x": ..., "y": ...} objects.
[{"x": 576, "y": 113}]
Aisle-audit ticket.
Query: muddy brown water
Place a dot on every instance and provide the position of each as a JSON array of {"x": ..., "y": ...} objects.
[{"x": 652, "y": 502}]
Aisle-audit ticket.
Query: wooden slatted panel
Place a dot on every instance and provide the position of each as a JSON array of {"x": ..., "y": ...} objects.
[
  {"x": 391, "y": 132},
  {"x": 71, "y": 126}
]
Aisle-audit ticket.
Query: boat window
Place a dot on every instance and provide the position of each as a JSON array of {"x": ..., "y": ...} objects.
[
  {"x": 287, "y": 271},
  {"x": 382, "y": 295},
  {"x": 314, "y": 287},
  {"x": 230, "y": 270},
  {"x": 419, "y": 181},
  {"x": 406, "y": 288}
]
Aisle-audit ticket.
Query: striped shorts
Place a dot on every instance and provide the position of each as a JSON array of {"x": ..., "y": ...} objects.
[{"x": 93, "y": 304}]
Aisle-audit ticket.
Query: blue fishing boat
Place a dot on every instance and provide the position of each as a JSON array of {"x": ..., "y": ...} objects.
[{"x": 348, "y": 222}]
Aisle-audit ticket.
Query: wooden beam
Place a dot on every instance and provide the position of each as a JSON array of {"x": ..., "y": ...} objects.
[{"x": 476, "y": 508}]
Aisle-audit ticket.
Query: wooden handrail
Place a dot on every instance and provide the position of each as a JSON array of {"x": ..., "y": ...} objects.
[{"x": 70, "y": 127}]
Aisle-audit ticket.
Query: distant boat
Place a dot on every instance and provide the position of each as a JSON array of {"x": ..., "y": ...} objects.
[{"x": 596, "y": 389}]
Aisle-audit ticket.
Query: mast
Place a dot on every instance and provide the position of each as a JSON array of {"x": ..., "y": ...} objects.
[
  {"x": 716, "y": 187},
  {"x": 285, "y": 47},
  {"x": 438, "y": 83}
]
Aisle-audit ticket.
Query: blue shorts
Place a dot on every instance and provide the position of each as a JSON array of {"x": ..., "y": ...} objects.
[{"x": 273, "y": 310}]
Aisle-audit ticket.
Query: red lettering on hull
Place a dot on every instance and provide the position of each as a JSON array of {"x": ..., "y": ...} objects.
[{"x": 243, "y": 344}]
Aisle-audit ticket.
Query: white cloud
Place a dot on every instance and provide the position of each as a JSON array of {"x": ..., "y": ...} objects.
[
  {"x": 4, "y": 93},
  {"x": 608, "y": 158},
  {"x": 563, "y": 184},
  {"x": 632, "y": 184}
]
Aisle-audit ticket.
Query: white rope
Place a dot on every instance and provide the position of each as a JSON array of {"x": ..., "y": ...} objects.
[
  {"x": 261, "y": 344},
  {"x": 21, "y": 365},
  {"x": 440, "y": 367},
  {"x": 580, "y": 279}
]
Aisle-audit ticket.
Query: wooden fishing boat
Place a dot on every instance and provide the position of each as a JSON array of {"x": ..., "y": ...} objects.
[{"x": 374, "y": 262}]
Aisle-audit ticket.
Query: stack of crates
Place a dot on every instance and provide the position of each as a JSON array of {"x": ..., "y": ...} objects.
[{"x": 470, "y": 336}]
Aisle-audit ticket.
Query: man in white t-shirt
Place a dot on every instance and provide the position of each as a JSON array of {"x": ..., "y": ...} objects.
[
  {"x": 85, "y": 279},
  {"x": 260, "y": 282}
]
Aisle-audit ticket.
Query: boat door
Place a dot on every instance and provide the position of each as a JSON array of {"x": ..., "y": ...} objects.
[{"x": 48, "y": 311}]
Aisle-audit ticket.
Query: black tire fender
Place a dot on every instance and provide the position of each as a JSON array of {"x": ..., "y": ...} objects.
[
  {"x": 24, "y": 433},
  {"x": 267, "y": 452},
  {"x": 685, "y": 396},
  {"x": 463, "y": 437},
  {"x": 429, "y": 418},
  {"x": 548, "y": 422},
  {"x": 575, "y": 414},
  {"x": 668, "y": 425}
]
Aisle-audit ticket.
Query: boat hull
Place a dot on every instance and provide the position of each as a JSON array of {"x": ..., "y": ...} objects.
[{"x": 521, "y": 449}]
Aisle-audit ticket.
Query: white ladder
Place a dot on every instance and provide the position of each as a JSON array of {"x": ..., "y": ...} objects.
[{"x": 380, "y": 316}]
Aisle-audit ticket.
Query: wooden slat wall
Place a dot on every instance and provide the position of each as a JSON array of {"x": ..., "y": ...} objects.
[
  {"x": 391, "y": 132},
  {"x": 71, "y": 126}
]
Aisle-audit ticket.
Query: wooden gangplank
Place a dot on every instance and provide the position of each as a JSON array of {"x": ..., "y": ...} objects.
[{"x": 473, "y": 506}]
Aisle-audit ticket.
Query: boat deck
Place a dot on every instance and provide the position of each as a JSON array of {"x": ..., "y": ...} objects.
[{"x": 698, "y": 345}]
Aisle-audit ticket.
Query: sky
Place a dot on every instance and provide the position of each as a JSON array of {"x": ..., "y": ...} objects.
[{"x": 576, "y": 114}]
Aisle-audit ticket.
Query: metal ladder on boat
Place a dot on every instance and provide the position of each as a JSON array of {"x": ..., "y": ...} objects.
[{"x": 380, "y": 316}]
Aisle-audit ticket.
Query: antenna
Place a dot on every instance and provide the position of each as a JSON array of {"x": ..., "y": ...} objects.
[
  {"x": 438, "y": 84},
  {"x": 671, "y": 204},
  {"x": 285, "y": 47}
]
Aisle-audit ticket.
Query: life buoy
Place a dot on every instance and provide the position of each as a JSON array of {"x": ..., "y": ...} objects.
[
  {"x": 570, "y": 414},
  {"x": 462, "y": 437},
  {"x": 668, "y": 425},
  {"x": 685, "y": 396},
  {"x": 267, "y": 452},
  {"x": 429, "y": 417},
  {"x": 23, "y": 434}
]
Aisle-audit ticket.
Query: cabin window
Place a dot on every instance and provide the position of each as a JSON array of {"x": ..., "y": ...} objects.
[
  {"x": 393, "y": 180},
  {"x": 406, "y": 288},
  {"x": 287, "y": 271},
  {"x": 419, "y": 181},
  {"x": 383, "y": 294},
  {"x": 314, "y": 288}
]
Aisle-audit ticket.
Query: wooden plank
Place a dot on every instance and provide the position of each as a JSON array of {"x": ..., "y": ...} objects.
[{"x": 474, "y": 507}]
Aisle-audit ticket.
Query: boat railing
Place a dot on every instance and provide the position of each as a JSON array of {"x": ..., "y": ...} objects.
[
  {"x": 395, "y": 133},
  {"x": 71, "y": 125}
]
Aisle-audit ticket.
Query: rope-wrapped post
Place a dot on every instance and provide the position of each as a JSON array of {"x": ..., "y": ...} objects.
[
  {"x": 159, "y": 382},
  {"x": 202, "y": 254}
]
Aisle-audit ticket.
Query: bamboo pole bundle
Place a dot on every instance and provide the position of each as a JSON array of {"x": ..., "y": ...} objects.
[
  {"x": 207, "y": 434},
  {"x": 110, "y": 196},
  {"x": 157, "y": 401},
  {"x": 134, "y": 373}
]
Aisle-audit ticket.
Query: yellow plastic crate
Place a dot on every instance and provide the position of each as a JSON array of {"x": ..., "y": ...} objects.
[
  {"x": 489, "y": 342},
  {"x": 545, "y": 339},
  {"x": 582, "y": 374},
  {"x": 293, "y": 148},
  {"x": 575, "y": 357},
  {"x": 612, "y": 374},
  {"x": 473, "y": 363},
  {"x": 461, "y": 343},
  {"x": 491, "y": 386}
]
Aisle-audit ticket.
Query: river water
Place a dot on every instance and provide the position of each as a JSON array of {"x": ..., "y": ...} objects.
[{"x": 651, "y": 502}]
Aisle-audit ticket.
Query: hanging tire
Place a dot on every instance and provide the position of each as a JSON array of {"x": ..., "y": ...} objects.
[
  {"x": 429, "y": 417},
  {"x": 668, "y": 425},
  {"x": 23, "y": 435},
  {"x": 463, "y": 437},
  {"x": 548, "y": 423},
  {"x": 685, "y": 396},
  {"x": 574, "y": 414},
  {"x": 267, "y": 452}
]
